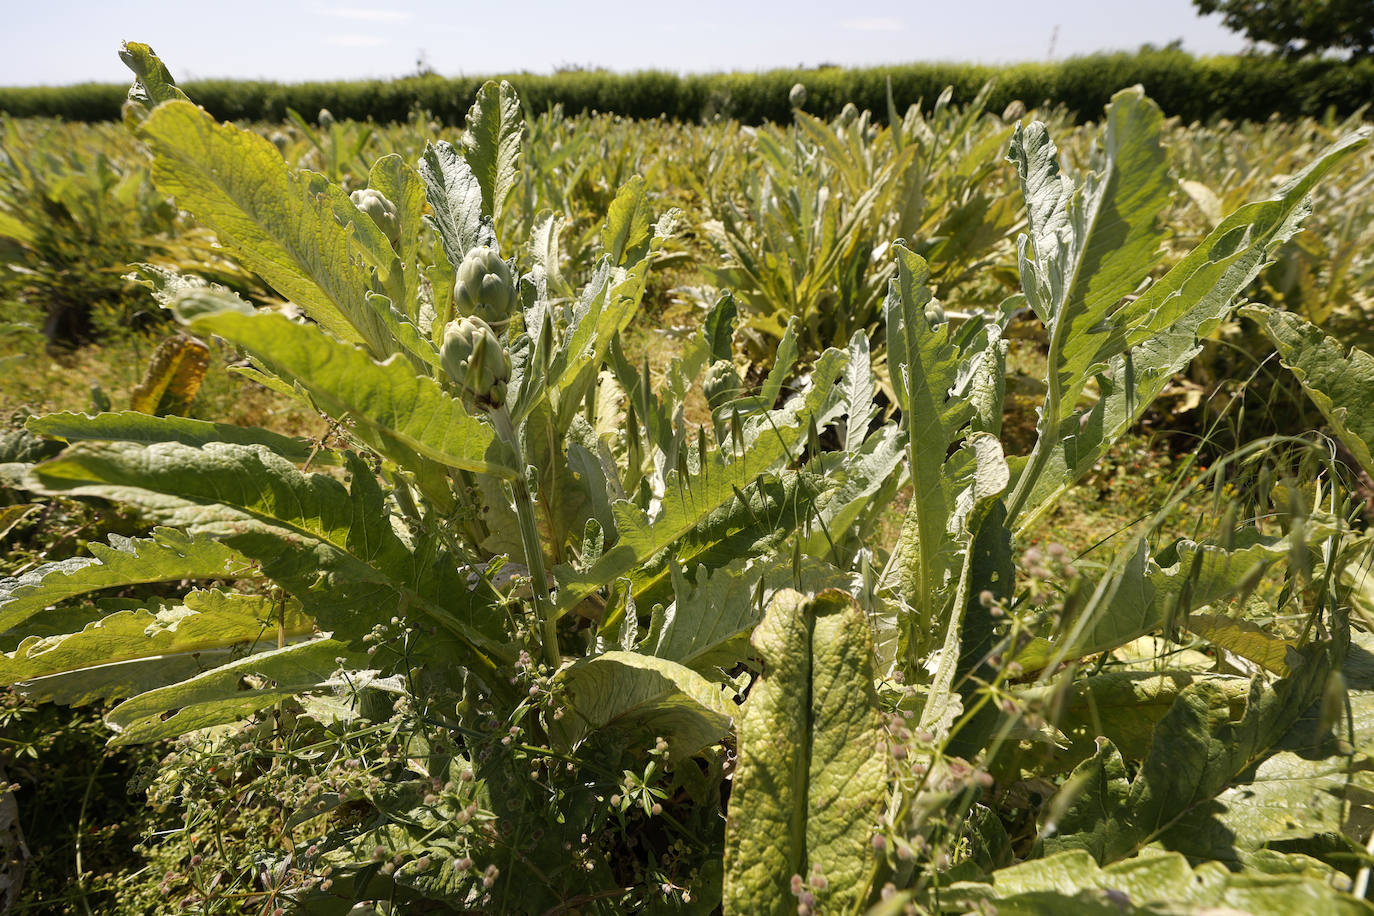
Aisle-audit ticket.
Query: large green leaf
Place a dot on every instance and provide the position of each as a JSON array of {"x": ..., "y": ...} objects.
[
  {"x": 1071, "y": 882},
  {"x": 758, "y": 519},
  {"x": 1162, "y": 327},
  {"x": 131, "y": 651},
  {"x": 399, "y": 183},
  {"x": 167, "y": 556},
  {"x": 925, "y": 367},
  {"x": 987, "y": 567},
  {"x": 230, "y": 692},
  {"x": 847, "y": 514},
  {"x": 132, "y": 426},
  {"x": 235, "y": 182},
  {"x": 1288, "y": 802},
  {"x": 1314, "y": 795},
  {"x": 491, "y": 146},
  {"x": 625, "y": 234},
  {"x": 1339, "y": 380},
  {"x": 1088, "y": 247},
  {"x": 247, "y": 478},
  {"x": 632, "y": 691},
  {"x": 1196, "y": 750},
  {"x": 1125, "y": 706},
  {"x": 153, "y": 84},
  {"x": 708, "y": 623},
  {"x": 389, "y": 403},
  {"x": 333, "y": 547},
  {"x": 811, "y": 777}
]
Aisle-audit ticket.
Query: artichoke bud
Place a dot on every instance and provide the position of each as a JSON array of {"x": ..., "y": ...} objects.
[
  {"x": 381, "y": 210},
  {"x": 280, "y": 140},
  {"x": 722, "y": 383},
  {"x": 797, "y": 97},
  {"x": 484, "y": 288},
  {"x": 475, "y": 359},
  {"x": 325, "y": 118}
]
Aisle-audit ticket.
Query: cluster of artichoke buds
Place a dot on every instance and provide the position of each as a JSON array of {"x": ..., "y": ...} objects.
[
  {"x": 484, "y": 288},
  {"x": 476, "y": 361},
  {"x": 381, "y": 210}
]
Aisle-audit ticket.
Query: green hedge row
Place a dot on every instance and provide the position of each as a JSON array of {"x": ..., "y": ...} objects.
[{"x": 1195, "y": 88}]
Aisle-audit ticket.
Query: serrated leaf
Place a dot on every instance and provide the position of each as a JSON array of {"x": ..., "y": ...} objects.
[
  {"x": 246, "y": 478},
  {"x": 167, "y": 556},
  {"x": 604, "y": 309},
  {"x": 131, "y": 651},
  {"x": 455, "y": 201},
  {"x": 1162, "y": 881},
  {"x": 235, "y": 182},
  {"x": 867, "y": 477},
  {"x": 304, "y": 530},
  {"x": 708, "y": 623},
  {"x": 230, "y": 692},
  {"x": 1162, "y": 328},
  {"x": 753, "y": 523},
  {"x": 131, "y": 426},
  {"x": 491, "y": 146},
  {"x": 389, "y": 402},
  {"x": 987, "y": 566},
  {"x": 686, "y": 502},
  {"x": 924, "y": 366},
  {"x": 1089, "y": 247}
]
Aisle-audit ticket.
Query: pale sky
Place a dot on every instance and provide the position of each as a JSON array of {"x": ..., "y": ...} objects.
[{"x": 69, "y": 41}]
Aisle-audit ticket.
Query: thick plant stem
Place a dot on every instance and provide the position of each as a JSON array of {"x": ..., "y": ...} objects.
[{"x": 529, "y": 539}]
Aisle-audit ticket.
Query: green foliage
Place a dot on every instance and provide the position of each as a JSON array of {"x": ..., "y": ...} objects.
[
  {"x": 802, "y": 222},
  {"x": 1298, "y": 29},
  {"x": 532, "y": 629}
]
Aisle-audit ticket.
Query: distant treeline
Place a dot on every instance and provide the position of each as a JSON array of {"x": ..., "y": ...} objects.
[{"x": 1195, "y": 88}]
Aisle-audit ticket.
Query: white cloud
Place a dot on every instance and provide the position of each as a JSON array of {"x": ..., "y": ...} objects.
[
  {"x": 368, "y": 15},
  {"x": 355, "y": 41},
  {"x": 874, "y": 24}
]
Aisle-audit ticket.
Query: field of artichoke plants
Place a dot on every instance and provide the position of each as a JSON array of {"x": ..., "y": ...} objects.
[{"x": 924, "y": 511}]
